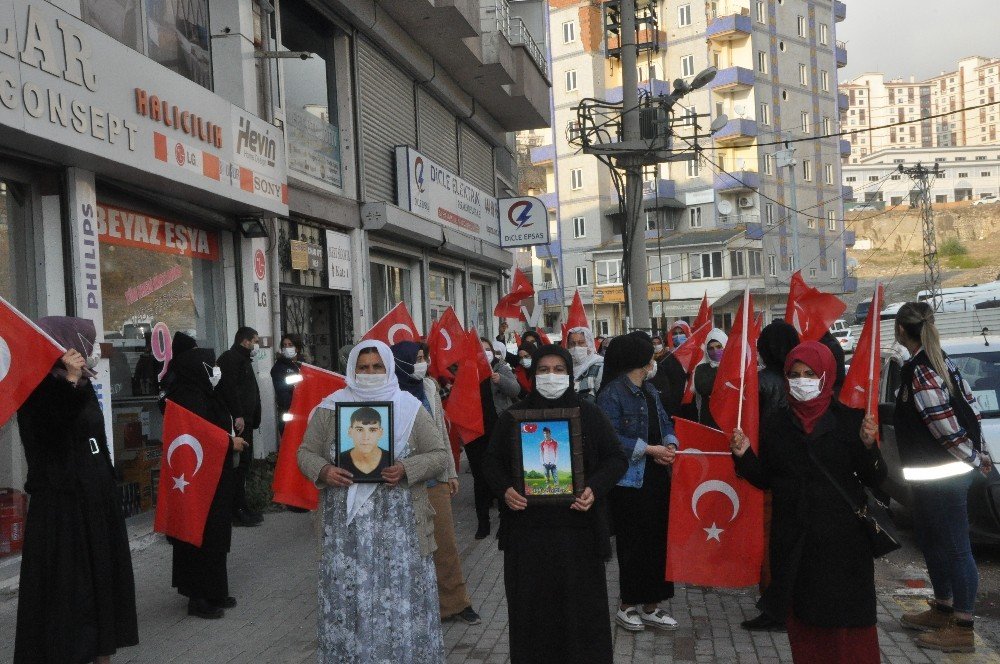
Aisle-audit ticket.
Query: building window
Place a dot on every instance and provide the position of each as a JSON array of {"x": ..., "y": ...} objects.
[
  {"x": 706, "y": 266},
  {"x": 827, "y": 126},
  {"x": 762, "y": 62},
  {"x": 824, "y": 80},
  {"x": 581, "y": 276},
  {"x": 824, "y": 34},
  {"x": 579, "y": 227},
  {"x": 851, "y": 178},
  {"x": 811, "y": 223},
  {"x": 694, "y": 217},
  {"x": 772, "y": 266},
  {"x": 812, "y": 272},
  {"x": 684, "y": 16},
  {"x": 984, "y": 174},
  {"x": 806, "y": 122},
  {"x": 569, "y": 32},
  {"x": 831, "y": 221},
  {"x": 571, "y": 80},
  {"x": 828, "y": 173},
  {"x": 768, "y": 164},
  {"x": 609, "y": 272},
  {"x": 963, "y": 175},
  {"x": 761, "y": 11},
  {"x": 769, "y": 214},
  {"x": 833, "y": 267},
  {"x": 802, "y": 26},
  {"x": 693, "y": 168},
  {"x": 737, "y": 268},
  {"x": 754, "y": 262},
  {"x": 803, "y": 74},
  {"x": 576, "y": 178},
  {"x": 765, "y": 113},
  {"x": 807, "y": 170},
  {"x": 687, "y": 66}
]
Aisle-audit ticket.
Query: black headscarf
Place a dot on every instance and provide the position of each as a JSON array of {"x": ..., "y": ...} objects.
[
  {"x": 569, "y": 398},
  {"x": 839, "y": 357},
  {"x": 74, "y": 333},
  {"x": 182, "y": 342},
  {"x": 192, "y": 368},
  {"x": 625, "y": 353},
  {"x": 405, "y": 355},
  {"x": 776, "y": 341}
]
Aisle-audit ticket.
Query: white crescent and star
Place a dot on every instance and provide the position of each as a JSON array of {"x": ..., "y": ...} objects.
[
  {"x": 398, "y": 327},
  {"x": 4, "y": 358},
  {"x": 447, "y": 337},
  {"x": 725, "y": 489},
  {"x": 186, "y": 440}
]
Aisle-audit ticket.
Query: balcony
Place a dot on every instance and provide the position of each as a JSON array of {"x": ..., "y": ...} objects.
[
  {"x": 841, "y": 54},
  {"x": 839, "y": 11},
  {"x": 737, "y": 181},
  {"x": 845, "y": 148},
  {"x": 520, "y": 36},
  {"x": 850, "y": 284},
  {"x": 850, "y": 237},
  {"x": 659, "y": 189},
  {"x": 755, "y": 232},
  {"x": 549, "y": 296},
  {"x": 737, "y": 132},
  {"x": 543, "y": 154},
  {"x": 551, "y": 250},
  {"x": 734, "y": 220},
  {"x": 550, "y": 200},
  {"x": 732, "y": 79},
  {"x": 846, "y": 192},
  {"x": 843, "y": 101},
  {"x": 447, "y": 20},
  {"x": 729, "y": 28},
  {"x": 654, "y": 87}
]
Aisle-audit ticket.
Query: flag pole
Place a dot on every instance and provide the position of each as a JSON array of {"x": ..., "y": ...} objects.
[{"x": 743, "y": 358}]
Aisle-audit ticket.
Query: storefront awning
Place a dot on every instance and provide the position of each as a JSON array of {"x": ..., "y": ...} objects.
[{"x": 732, "y": 297}]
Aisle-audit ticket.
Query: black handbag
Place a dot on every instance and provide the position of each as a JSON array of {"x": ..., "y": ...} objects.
[{"x": 873, "y": 514}]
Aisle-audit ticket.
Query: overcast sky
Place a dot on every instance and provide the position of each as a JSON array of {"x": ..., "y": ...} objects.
[{"x": 918, "y": 37}]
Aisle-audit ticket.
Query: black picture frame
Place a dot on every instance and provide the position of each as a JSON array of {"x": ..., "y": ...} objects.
[
  {"x": 343, "y": 458},
  {"x": 528, "y": 434}
]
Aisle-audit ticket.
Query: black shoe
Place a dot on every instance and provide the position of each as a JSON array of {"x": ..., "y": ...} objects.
[
  {"x": 483, "y": 531},
  {"x": 763, "y": 622},
  {"x": 201, "y": 608},
  {"x": 468, "y": 616},
  {"x": 227, "y": 603},
  {"x": 245, "y": 519}
]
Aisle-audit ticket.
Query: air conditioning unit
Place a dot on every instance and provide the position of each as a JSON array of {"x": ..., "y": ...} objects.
[{"x": 746, "y": 202}]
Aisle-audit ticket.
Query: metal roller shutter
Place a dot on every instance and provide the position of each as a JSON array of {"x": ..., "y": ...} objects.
[
  {"x": 436, "y": 133},
  {"x": 388, "y": 119},
  {"x": 477, "y": 161}
]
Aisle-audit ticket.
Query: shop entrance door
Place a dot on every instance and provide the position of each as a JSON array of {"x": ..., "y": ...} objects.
[{"x": 324, "y": 321}]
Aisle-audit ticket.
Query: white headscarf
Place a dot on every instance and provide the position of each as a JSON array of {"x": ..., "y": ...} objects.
[
  {"x": 500, "y": 347},
  {"x": 404, "y": 412},
  {"x": 579, "y": 369},
  {"x": 715, "y": 334}
]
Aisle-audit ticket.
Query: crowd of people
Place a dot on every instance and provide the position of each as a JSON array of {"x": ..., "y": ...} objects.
[{"x": 390, "y": 571}]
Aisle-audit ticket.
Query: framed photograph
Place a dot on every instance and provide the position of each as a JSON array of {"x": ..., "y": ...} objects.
[
  {"x": 547, "y": 455},
  {"x": 364, "y": 439}
]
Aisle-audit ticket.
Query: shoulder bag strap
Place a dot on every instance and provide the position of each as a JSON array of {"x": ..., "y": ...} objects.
[{"x": 858, "y": 511}]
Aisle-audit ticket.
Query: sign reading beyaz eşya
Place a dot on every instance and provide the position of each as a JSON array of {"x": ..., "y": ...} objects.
[
  {"x": 524, "y": 222},
  {"x": 431, "y": 191},
  {"x": 64, "y": 81}
]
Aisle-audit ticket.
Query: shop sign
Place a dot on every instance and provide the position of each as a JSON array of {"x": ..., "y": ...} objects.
[
  {"x": 524, "y": 222},
  {"x": 431, "y": 191},
  {"x": 658, "y": 292},
  {"x": 314, "y": 145},
  {"x": 609, "y": 295},
  {"x": 338, "y": 253},
  {"x": 64, "y": 81},
  {"x": 315, "y": 256},
  {"x": 128, "y": 228},
  {"x": 300, "y": 254}
]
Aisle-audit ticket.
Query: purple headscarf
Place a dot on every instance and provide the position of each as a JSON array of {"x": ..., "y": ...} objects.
[{"x": 70, "y": 332}]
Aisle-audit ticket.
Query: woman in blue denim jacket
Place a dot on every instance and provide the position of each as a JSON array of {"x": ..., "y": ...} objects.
[{"x": 640, "y": 504}]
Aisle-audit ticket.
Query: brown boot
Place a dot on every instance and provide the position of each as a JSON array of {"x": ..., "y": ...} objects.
[
  {"x": 952, "y": 638},
  {"x": 932, "y": 618}
]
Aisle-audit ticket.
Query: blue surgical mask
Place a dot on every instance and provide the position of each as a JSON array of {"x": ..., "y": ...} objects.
[{"x": 679, "y": 339}]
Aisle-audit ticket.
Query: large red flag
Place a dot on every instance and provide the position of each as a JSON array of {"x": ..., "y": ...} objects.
[
  {"x": 446, "y": 343},
  {"x": 509, "y": 305},
  {"x": 811, "y": 311},
  {"x": 474, "y": 351},
  {"x": 465, "y": 405},
  {"x": 26, "y": 355},
  {"x": 734, "y": 397},
  {"x": 290, "y": 486},
  {"x": 577, "y": 314},
  {"x": 542, "y": 337},
  {"x": 861, "y": 386},
  {"x": 715, "y": 537},
  {"x": 395, "y": 326},
  {"x": 693, "y": 347},
  {"x": 193, "y": 453}
]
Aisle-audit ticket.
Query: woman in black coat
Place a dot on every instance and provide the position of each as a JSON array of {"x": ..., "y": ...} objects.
[
  {"x": 822, "y": 572},
  {"x": 286, "y": 367},
  {"x": 199, "y": 573},
  {"x": 554, "y": 555},
  {"x": 77, "y": 594}
]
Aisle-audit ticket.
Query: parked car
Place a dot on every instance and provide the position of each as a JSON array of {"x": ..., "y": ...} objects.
[
  {"x": 980, "y": 366},
  {"x": 838, "y": 325},
  {"x": 848, "y": 339},
  {"x": 890, "y": 310},
  {"x": 987, "y": 199},
  {"x": 861, "y": 312}
]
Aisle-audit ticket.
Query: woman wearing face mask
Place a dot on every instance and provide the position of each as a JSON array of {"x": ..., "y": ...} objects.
[
  {"x": 822, "y": 571},
  {"x": 704, "y": 374},
  {"x": 378, "y": 596},
  {"x": 522, "y": 372},
  {"x": 640, "y": 503},
  {"x": 199, "y": 573},
  {"x": 75, "y": 538},
  {"x": 669, "y": 378},
  {"x": 660, "y": 349},
  {"x": 679, "y": 333},
  {"x": 554, "y": 555},
  {"x": 284, "y": 375},
  {"x": 588, "y": 366}
]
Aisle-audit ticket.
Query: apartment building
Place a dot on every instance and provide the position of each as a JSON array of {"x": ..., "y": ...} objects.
[
  {"x": 873, "y": 104},
  {"x": 722, "y": 220}
]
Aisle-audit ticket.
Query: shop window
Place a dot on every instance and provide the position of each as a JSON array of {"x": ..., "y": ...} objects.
[
  {"x": 481, "y": 314},
  {"x": 440, "y": 294},
  {"x": 311, "y": 96},
  {"x": 390, "y": 285},
  {"x": 14, "y": 225}
]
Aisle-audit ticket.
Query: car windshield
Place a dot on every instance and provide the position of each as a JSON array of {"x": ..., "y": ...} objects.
[
  {"x": 841, "y": 333},
  {"x": 982, "y": 372}
]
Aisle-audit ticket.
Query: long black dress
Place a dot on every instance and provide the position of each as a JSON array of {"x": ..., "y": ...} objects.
[
  {"x": 200, "y": 572},
  {"x": 554, "y": 557},
  {"x": 77, "y": 593}
]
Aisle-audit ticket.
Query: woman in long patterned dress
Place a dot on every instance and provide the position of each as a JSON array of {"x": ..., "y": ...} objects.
[{"x": 377, "y": 586}]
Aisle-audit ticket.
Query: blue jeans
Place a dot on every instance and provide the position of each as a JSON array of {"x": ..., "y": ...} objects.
[
  {"x": 941, "y": 521},
  {"x": 550, "y": 473}
]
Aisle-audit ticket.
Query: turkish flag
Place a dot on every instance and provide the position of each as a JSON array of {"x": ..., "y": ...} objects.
[
  {"x": 577, "y": 314},
  {"x": 193, "y": 453},
  {"x": 861, "y": 386},
  {"x": 290, "y": 486},
  {"x": 544, "y": 338},
  {"x": 811, "y": 311},
  {"x": 715, "y": 536},
  {"x": 446, "y": 343},
  {"x": 474, "y": 351},
  {"x": 26, "y": 356},
  {"x": 509, "y": 304},
  {"x": 465, "y": 405},
  {"x": 737, "y": 376},
  {"x": 395, "y": 326},
  {"x": 690, "y": 353}
]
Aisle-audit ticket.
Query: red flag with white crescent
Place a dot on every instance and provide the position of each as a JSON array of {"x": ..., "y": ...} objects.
[
  {"x": 861, "y": 386},
  {"x": 690, "y": 353},
  {"x": 734, "y": 401},
  {"x": 290, "y": 486},
  {"x": 464, "y": 409},
  {"x": 810, "y": 310},
  {"x": 446, "y": 343},
  {"x": 193, "y": 453},
  {"x": 509, "y": 305},
  {"x": 26, "y": 356},
  {"x": 395, "y": 326}
]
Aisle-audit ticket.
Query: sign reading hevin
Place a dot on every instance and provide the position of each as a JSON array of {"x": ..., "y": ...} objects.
[{"x": 431, "y": 191}]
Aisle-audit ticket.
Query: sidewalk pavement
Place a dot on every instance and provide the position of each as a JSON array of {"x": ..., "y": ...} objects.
[{"x": 272, "y": 572}]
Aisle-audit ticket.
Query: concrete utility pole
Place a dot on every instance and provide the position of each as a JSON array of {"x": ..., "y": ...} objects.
[
  {"x": 922, "y": 178},
  {"x": 785, "y": 158}
]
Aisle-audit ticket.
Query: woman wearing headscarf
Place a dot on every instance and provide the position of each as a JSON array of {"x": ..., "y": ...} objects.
[
  {"x": 823, "y": 574},
  {"x": 660, "y": 349},
  {"x": 588, "y": 366},
  {"x": 411, "y": 371},
  {"x": 679, "y": 332},
  {"x": 704, "y": 374},
  {"x": 285, "y": 374},
  {"x": 77, "y": 593},
  {"x": 554, "y": 555},
  {"x": 670, "y": 379},
  {"x": 522, "y": 372},
  {"x": 199, "y": 572},
  {"x": 640, "y": 503},
  {"x": 377, "y": 587},
  {"x": 505, "y": 386}
]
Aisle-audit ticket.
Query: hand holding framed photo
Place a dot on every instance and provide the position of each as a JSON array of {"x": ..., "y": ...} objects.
[
  {"x": 365, "y": 439},
  {"x": 548, "y": 455}
]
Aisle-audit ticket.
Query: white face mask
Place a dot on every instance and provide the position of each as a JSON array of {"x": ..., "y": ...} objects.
[
  {"x": 652, "y": 372},
  {"x": 552, "y": 386},
  {"x": 371, "y": 381},
  {"x": 579, "y": 354},
  {"x": 657, "y": 348},
  {"x": 805, "y": 389},
  {"x": 419, "y": 370},
  {"x": 526, "y": 362},
  {"x": 215, "y": 376},
  {"x": 289, "y": 352}
]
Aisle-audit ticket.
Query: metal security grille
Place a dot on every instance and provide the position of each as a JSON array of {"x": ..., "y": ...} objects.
[
  {"x": 436, "y": 131},
  {"x": 388, "y": 119},
  {"x": 477, "y": 161}
]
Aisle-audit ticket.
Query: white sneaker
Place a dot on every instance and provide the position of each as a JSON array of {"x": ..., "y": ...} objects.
[
  {"x": 657, "y": 618},
  {"x": 629, "y": 619}
]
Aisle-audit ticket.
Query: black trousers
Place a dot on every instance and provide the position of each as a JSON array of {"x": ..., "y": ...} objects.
[
  {"x": 242, "y": 470},
  {"x": 476, "y": 452}
]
